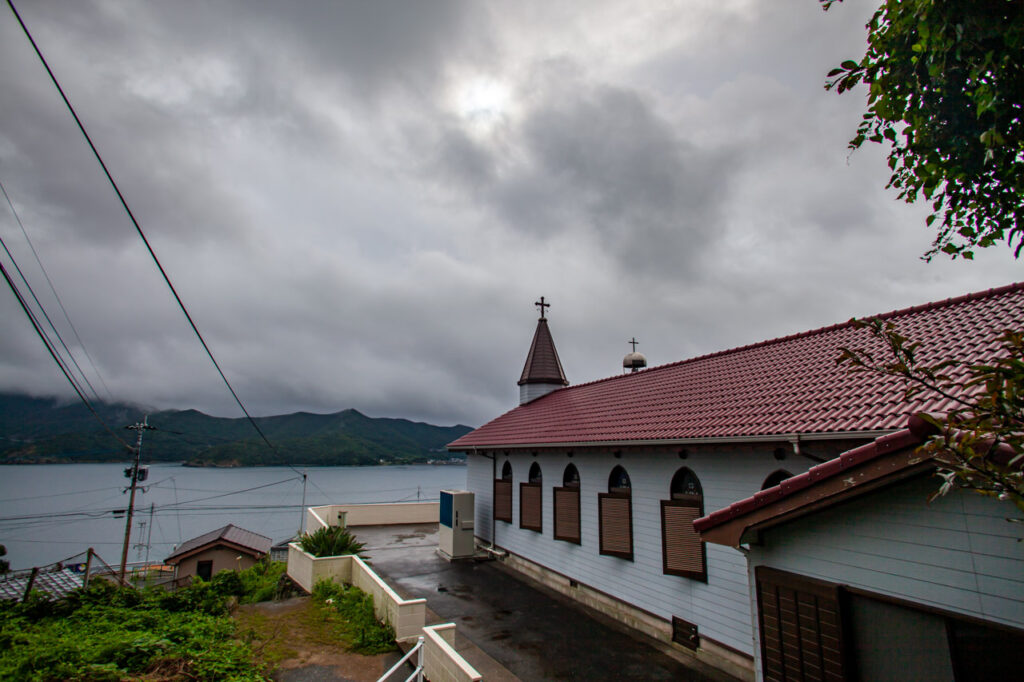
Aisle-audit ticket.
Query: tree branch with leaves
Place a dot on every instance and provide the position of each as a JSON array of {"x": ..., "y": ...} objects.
[
  {"x": 945, "y": 85},
  {"x": 978, "y": 442}
]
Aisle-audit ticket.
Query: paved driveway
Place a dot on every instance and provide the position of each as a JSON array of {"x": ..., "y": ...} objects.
[{"x": 533, "y": 632}]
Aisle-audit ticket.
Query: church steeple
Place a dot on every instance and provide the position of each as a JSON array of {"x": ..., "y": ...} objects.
[{"x": 542, "y": 372}]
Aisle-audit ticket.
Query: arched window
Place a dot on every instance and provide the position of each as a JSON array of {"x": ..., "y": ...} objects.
[
  {"x": 503, "y": 494},
  {"x": 535, "y": 475},
  {"x": 615, "y": 512},
  {"x": 775, "y": 478},
  {"x": 567, "y": 506},
  {"x": 618, "y": 481},
  {"x": 530, "y": 504},
  {"x": 682, "y": 551}
]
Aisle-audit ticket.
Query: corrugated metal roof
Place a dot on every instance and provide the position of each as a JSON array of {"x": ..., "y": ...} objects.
[
  {"x": 784, "y": 386},
  {"x": 230, "y": 533},
  {"x": 55, "y": 582}
]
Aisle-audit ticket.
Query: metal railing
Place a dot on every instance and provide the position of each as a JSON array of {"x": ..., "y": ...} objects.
[{"x": 417, "y": 674}]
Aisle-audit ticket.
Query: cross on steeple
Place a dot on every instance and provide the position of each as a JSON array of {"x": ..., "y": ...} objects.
[
  {"x": 542, "y": 305},
  {"x": 634, "y": 342}
]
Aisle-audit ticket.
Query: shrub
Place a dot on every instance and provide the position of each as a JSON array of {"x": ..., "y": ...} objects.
[
  {"x": 351, "y": 611},
  {"x": 330, "y": 541},
  {"x": 111, "y": 633},
  {"x": 228, "y": 583}
]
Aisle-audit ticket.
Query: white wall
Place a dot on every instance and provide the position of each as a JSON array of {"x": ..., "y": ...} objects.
[
  {"x": 480, "y": 481},
  {"x": 720, "y": 608},
  {"x": 957, "y": 553}
]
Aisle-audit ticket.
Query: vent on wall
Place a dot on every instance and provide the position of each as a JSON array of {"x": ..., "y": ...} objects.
[{"x": 685, "y": 633}]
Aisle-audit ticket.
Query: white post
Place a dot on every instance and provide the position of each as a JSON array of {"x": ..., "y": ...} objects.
[{"x": 419, "y": 660}]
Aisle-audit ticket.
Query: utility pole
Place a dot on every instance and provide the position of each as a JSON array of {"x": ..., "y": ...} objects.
[
  {"x": 302, "y": 509},
  {"x": 140, "y": 427},
  {"x": 149, "y": 535}
]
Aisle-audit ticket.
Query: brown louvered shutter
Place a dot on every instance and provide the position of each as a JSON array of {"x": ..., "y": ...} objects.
[
  {"x": 503, "y": 500},
  {"x": 801, "y": 632},
  {"x": 682, "y": 551},
  {"x": 616, "y": 524},
  {"x": 567, "y": 514},
  {"x": 530, "y": 506}
]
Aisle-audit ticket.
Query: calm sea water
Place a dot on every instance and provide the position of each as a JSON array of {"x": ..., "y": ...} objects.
[{"x": 54, "y": 511}]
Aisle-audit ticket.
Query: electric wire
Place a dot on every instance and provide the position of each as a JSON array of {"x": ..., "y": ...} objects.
[
  {"x": 54, "y": 355},
  {"x": 35, "y": 321},
  {"x": 234, "y": 492},
  {"x": 138, "y": 229},
  {"x": 68, "y": 494},
  {"x": 56, "y": 296},
  {"x": 164, "y": 510}
]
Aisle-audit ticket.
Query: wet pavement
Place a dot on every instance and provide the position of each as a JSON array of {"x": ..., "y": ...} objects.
[{"x": 531, "y": 632}]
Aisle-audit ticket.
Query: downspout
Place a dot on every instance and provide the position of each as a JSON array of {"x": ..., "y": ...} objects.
[
  {"x": 795, "y": 442},
  {"x": 494, "y": 474}
]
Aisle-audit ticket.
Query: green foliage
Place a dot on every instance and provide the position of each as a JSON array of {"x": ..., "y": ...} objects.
[
  {"x": 330, "y": 541},
  {"x": 351, "y": 611},
  {"x": 945, "y": 90},
  {"x": 109, "y": 633},
  {"x": 979, "y": 442},
  {"x": 265, "y": 581}
]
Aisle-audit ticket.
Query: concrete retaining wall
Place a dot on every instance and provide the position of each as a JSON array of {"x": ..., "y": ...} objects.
[
  {"x": 385, "y": 514},
  {"x": 406, "y": 616},
  {"x": 441, "y": 663}
]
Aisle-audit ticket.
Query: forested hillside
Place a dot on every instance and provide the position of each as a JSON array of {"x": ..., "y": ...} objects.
[{"x": 37, "y": 430}]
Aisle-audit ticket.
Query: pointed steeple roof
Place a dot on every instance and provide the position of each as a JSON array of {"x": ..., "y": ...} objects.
[{"x": 542, "y": 363}]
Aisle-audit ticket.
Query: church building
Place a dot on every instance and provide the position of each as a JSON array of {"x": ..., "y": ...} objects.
[{"x": 593, "y": 489}]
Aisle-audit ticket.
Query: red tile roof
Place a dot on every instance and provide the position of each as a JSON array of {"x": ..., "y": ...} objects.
[
  {"x": 790, "y": 385},
  {"x": 542, "y": 363}
]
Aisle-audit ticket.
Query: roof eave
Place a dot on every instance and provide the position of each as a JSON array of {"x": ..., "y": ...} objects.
[
  {"x": 708, "y": 440},
  {"x": 839, "y": 480},
  {"x": 228, "y": 544}
]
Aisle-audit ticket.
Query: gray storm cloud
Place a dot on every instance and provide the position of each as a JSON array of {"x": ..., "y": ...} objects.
[{"x": 359, "y": 202}]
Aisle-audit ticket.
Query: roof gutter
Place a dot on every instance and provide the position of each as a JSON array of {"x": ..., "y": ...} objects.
[{"x": 710, "y": 440}]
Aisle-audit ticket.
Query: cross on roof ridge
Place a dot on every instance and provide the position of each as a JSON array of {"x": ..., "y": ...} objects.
[{"x": 542, "y": 305}]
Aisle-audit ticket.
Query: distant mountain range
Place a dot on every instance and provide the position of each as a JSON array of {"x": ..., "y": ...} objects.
[{"x": 40, "y": 430}]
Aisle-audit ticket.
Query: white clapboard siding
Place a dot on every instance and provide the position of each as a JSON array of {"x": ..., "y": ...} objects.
[
  {"x": 720, "y": 608},
  {"x": 480, "y": 479},
  {"x": 957, "y": 553}
]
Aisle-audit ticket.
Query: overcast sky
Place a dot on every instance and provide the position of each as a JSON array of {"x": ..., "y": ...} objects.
[{"x": 359, "y": 203}]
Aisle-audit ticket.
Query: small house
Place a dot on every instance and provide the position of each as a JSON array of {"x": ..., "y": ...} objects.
[{"x": 227, "y": 548}]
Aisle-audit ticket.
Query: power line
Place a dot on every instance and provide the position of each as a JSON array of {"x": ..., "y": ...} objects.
[
  {"x": 56, "y": 296},
  {"x": 138, "y": 228},
  {"x": 235, "y": 492},
  {"x": 56, "y": 358},
  {"x": 46, "y": 316},
  {"x": 43, "y": 497}
]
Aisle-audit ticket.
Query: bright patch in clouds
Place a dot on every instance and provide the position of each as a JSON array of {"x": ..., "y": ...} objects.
[{"x": 483, "y": 103}]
